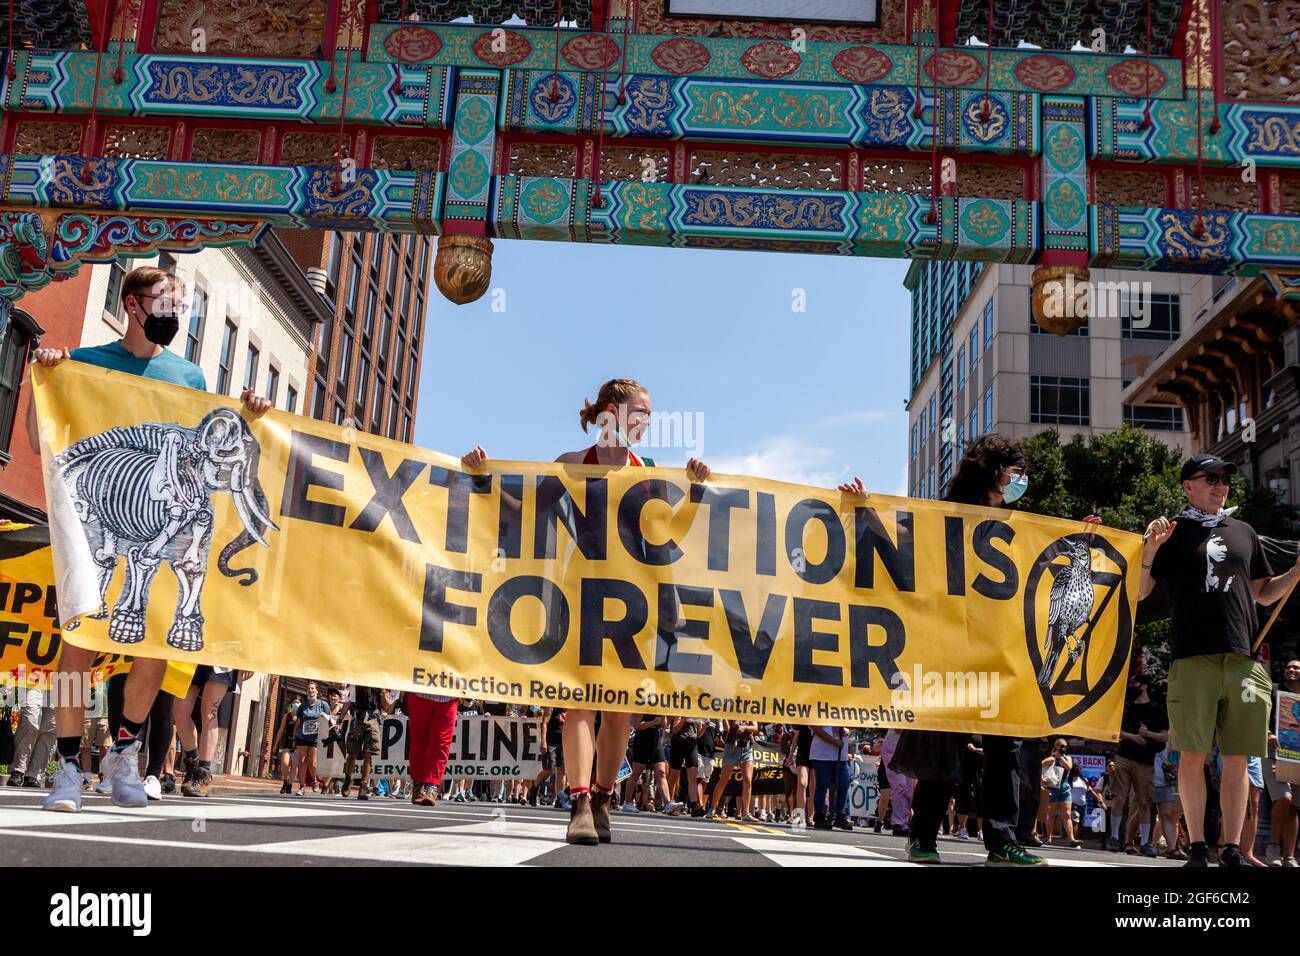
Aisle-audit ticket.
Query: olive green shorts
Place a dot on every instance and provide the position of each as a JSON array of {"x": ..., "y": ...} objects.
[{"x": 1227, "y": 694}]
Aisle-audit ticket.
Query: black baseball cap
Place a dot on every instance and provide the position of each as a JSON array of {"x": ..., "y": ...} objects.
[{"x": 1207, "y": 463}]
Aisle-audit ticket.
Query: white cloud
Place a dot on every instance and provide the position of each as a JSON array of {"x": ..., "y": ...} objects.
[{"x": 785, "y": 458}]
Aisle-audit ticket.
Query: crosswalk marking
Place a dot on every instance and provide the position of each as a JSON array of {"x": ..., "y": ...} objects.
[
  {"x": 817, "y": 854},
  {"x": 496, "y": 843}
]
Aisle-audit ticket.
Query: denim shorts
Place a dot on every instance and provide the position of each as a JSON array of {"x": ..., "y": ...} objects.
[
  {"x": 1166, "y": 794},
  {"x": 737, "y": 755},
  {"x": 1255, "y": 771}
]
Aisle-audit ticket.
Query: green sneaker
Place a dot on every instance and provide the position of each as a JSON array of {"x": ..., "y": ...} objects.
[
  {"x": 918, "y": 854},
  {"x": 1012, "y": 855}
]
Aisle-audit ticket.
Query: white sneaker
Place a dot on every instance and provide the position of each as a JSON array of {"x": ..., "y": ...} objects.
[
  {"x": 1273, "y": 855},
  {"x": 750, "y": 818},
  {"x": 673, "y": 808},
  {"x": 66, "y": 795},
  {"x": 631, "y": 808},
  {"x": 105, "y": 786},
  {"x": 123, "y": 769},
  {"x": 152, "y": 788}
]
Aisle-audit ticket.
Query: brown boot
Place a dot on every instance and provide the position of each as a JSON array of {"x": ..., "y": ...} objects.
[
  {"x": 600, "y": 814},
  {"x": 582, "y": 830}
]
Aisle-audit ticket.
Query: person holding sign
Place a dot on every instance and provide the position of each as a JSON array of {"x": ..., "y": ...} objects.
[
  {"x": 154, "y": 301},
  {"x": 1285, "y": 816},
  {"x": 1215, "y": 571},
  {"x": 622, "y": 411}
]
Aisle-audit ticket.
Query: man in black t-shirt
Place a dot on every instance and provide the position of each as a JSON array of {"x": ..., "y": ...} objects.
[
  {"x": 1215, "y": 572},
  {"x": 1143, "y": 732},
  {"x": 366, "y": 706}
]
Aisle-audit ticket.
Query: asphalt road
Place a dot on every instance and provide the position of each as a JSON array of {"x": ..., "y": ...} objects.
[{"x": 274, "y": 830}]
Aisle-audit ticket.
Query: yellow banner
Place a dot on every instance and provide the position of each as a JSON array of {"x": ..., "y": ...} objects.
[
  {"x": 292, "y": 546},
  {"x": 30, "y": 640}
]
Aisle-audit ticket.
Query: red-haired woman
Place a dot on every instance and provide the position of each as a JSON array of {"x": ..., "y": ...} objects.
[{"x": 622, "y": 412}]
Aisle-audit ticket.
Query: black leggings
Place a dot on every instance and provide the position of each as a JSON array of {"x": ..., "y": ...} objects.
[
  {"x": 160, "y": 728},
  {"x": 929, "y": 806}
]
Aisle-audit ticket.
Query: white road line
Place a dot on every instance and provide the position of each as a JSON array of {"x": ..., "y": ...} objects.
[
  {"x": 498, "y": 843},
  {"x": 817, "y": 854}
]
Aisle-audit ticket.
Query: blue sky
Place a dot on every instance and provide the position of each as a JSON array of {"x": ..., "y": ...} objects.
[{"x": 812, "y": 397}]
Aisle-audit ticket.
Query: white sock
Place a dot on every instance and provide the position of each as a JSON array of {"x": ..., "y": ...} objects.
[
  {"x": 1145, "y": 830},
  {"x": 1116, "y": 821}
]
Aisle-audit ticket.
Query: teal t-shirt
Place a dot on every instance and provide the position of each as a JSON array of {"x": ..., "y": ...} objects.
[{"x": 165, "y": 367}]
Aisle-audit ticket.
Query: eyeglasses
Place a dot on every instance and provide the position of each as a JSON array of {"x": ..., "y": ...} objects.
[{"x": 1212, "y": 481}]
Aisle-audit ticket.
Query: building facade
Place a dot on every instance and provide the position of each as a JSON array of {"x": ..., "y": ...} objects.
[
  {"x": 1235, "y": 372},
  {"x": 366, "y": 369},
  {"x": 984, "y": 365}
]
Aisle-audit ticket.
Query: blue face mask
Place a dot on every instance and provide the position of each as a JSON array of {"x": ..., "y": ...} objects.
[{"x": 1016, "y": 487}]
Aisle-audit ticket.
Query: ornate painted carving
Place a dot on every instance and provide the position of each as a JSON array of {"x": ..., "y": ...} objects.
[
  {"x": 37, "y": 138},
  {"x": 136, "y": 142},
  {"x": 862, "y": 64},
  {"x": 1229, "y": 192},
  {"x": 1261, "y": 59},
  {"x": 994, "y": 180},
  {"x": 681, "y": 56},
  {"x": 263, "y": 27},
  {"x": 1123, "y": 188},
  {"x": 535, "y": 13},
  {"x": 765, "y": 170},
  {"x": 897, "y": 176},
  {"x": 406, "y": 152},
  {"x": 310, "y": 149},
  {"x": 547, "y": 160},
  {"x": 225, "y": 145},
  {"x": 892, "y": 29},
  {"x": 628, "y": 164}
]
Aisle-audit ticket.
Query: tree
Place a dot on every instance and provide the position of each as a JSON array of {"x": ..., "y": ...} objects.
[{"x": 1128, "y": 477}]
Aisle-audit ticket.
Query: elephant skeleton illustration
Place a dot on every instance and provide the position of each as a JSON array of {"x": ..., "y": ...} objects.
[{"x": 144, "y": 492}]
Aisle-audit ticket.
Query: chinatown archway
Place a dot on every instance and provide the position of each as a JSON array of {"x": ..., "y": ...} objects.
[{"x": 134, "y": 125}]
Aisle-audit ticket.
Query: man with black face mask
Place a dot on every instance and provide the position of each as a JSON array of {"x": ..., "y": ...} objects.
[{"x": 154, "y": 301}]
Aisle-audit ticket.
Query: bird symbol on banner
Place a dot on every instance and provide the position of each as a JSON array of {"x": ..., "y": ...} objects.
[{"x": 1068, "y": 608}]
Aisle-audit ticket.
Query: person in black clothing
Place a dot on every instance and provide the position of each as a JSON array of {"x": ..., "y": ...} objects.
[
  {"x": 1142, "y": 733},
  {"x": 284, "y": 742},
  {"x": 992, "y": 473},
  {"x": 1214, "y": 571},
  {"x": 967, "y": 797}
]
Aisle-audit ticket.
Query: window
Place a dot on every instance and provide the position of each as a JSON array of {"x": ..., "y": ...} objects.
[
  {"x": 392, "y": 417},
  {"x": 368, "y": 326},
  {"x": 198, "y": 315},
  {"x": 924, "y": 431},
  {"x": 345, "y": 360},
  {"x": 113, "y": 297},
  {"x": 291, "y": 400},
  {"x": 1056, "y": 400},
  {"x": 913, "y": 445},
  {"x": 930, "y": 491},
  {"x": 167, "y": 262},
  {"x": 988, "y": 324},
  {"x": 363, "y": 383},
  {"x": 973, "y": 347},
  {"x": 1162, "y": 322},
  {"x": 1161, "y": 418},
  {"x": 340, "y": 413},
  {"x": 336, "y": 265},
  {"x": 227, "y": 360},
  {"x": 250, "y": 369},
  {"x": 988, "y": 409},
  {"x": 961, "y": 367},
  {"x": 17, "y": 335},
  {"x": 318, "y": 399},
  {"x": 384, "y": 333},
  {"x": 354, "y": 281},
  {"x": 406, "y": 428},
  {"x": 961, "y": 438},
  {"x": 272, "y": 383},
  {"x": 410, "y": 377},
  {"x": 377, "y": 413},
  {"x": 973, "y": 422}
]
